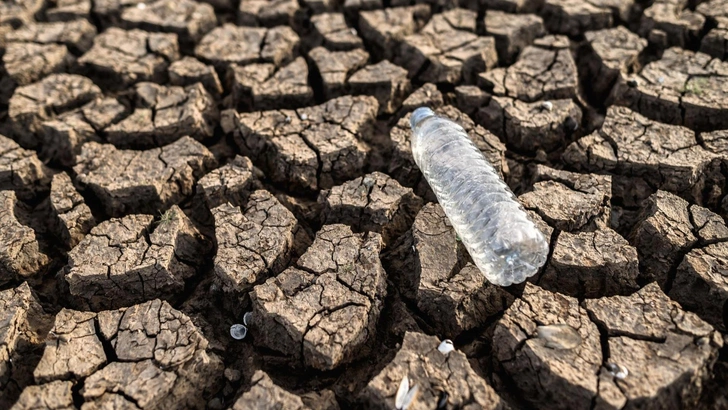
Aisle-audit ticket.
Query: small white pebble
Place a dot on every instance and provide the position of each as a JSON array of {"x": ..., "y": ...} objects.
[
  {"x": 660, "y": 80},
  {"x": 304, "y": 117},
  {"x": 559, "y": 336},
  {"x": 238, "y": 331},
  {"x": 353, "y": 31},
  {"x": 617, "y": 371},
  {"x": 246, "y": 318},
  {"x": 446, "y": 346},
  {"x": 141, "y": 6},
  {"x": 547, "y": 105}
]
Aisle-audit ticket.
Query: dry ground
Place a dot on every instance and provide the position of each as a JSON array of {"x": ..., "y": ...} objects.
[{"x": 168, "y": 166}]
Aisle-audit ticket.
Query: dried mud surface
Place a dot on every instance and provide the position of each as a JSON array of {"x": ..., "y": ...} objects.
[{"x": 213, "y": 204}]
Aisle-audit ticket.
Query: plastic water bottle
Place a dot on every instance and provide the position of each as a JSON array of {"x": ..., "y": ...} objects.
[{"x": 503, "y": 241}]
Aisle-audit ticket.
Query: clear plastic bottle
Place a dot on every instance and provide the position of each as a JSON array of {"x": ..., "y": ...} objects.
[{"x": 503, "y": 241}]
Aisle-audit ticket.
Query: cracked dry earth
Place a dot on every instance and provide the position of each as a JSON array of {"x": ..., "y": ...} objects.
[{"x": 169, "y": 169}]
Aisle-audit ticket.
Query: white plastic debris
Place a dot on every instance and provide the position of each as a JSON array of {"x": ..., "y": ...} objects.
[
  {"x": 559, "y": 336},
  {"x": 446, "y": 346},
  {"x": 617, "y": 371},
  {"x": 501, "y": 238},
  {"x": 405, "y": 396},
  {"x": 246, "y": 318},
  {"x": 547, "y": 105},
  {"x": 141, "y": 6},
  {"x": 401, "y": 392},
  {"x": 238, "y": 331},
  {"x": 304, "y": 117}
]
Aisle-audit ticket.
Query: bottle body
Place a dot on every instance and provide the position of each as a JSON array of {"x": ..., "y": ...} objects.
[{"x": 502, "y": 240}]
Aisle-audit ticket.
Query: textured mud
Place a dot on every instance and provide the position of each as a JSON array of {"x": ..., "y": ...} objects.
[{"x": 169, "y": 169}]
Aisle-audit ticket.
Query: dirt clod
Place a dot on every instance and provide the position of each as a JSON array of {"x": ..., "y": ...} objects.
[
  {"x": 527, "y": 79},
  {"x": 128, "y": 181},
  {"x": 253, "y": 242},
  {"x": 374, "y": 202},
  {"x": 324, "y": 310},
  {"x": 309, "y": 148},
  {"x": 165, "y": 114},
  {"x": 144, "y": 56},
  {"x": 133, "y": 259},
  {"x": 436, "y": 375},
  {"x": 21, "y": 256}
]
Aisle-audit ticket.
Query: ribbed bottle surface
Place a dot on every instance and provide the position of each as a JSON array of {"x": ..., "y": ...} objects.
[{"x": 495, "y": 229}]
